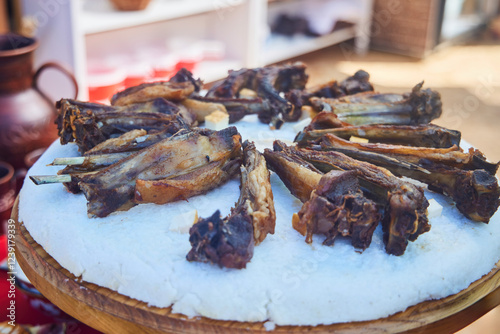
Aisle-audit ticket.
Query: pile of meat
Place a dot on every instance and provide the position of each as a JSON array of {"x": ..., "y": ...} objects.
[{"x": 146, "y": 147}]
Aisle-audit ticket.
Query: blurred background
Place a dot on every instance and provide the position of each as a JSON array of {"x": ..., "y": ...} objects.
[{"x": 452, "y": 45}]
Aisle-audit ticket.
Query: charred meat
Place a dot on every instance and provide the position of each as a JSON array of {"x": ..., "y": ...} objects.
[
  {"x": 112, "y": 188},
  {"x": 298, "y": 175},
  {"x": 418, "y": 107},
  {"x": 268, "y": 82},
  {"x": 229, "y": 242},
  {"x": 187, "y": 185},
  {"x": 357, "y": 83},
  {"x": 337, "y": 206},
  {"x": 333, "y": 203},
  {"x": 466, "y": 178},
  {"x": 237, "y": 108},
  {"x": 405, "y": 206},
  {"x": 451, "y": 156},
  {"x": 89, "y": 124},
  {"x": 428, "y": 135},
  {"x": 169, "y": 90},
  {"x": 183, "y": 75},
  {"x": 256, "y": 195}
]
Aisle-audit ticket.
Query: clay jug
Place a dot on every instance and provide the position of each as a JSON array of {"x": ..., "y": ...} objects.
[{"x": 26, "y": 114}]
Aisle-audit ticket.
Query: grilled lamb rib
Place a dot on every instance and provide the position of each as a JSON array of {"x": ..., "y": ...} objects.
[
  {"x": 229, "y": 242},
  {"x": 405, "y": 206},
  {"x": 420, "y": 106}
]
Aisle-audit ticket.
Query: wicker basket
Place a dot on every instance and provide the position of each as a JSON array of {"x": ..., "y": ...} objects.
[{"x": 130, "y": 4}]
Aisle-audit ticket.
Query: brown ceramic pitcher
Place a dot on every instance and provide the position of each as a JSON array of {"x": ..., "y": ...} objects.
[{"x": 26, "y": 113}]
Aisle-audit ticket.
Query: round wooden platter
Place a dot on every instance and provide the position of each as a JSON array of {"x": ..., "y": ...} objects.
[{"x": 111, "y": 312}]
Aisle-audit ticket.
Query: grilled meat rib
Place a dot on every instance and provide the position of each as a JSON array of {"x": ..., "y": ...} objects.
[
  {"x": 405, "y": 206},
  {"x": 451, "y": 156},
  {"x": 268, "y": 82},
  {"x": 172, "y": 91},
  {"x": 89, "y": 124},
  {"x": 108, "y": 153},
  {"x": 337, "y": 206},
  {"x": 184, "y": 186},
  {"x": 256, "y": 195},
  {"x": 418, "y": 107},
  {"x": 229, "y": 242},
  {"x": 299, "y": 176},
  {"x": 333, "y": 202},
  {"x": 112, "y": 188},
  {"x": 428, "y": 135},
  {"x": 467, "y": 178}
]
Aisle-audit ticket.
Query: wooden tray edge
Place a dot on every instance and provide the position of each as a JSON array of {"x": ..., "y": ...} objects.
[{"x": 109, "y": 311}]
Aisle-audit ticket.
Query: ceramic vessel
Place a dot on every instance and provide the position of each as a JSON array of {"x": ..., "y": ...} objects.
[{"x": 26, "y": 113}]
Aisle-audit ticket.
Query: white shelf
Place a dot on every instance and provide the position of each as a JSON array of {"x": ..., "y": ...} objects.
[
  {"x": 279, "y": 48},
  {"x": 91, "y": 29},
  {"x": 99, "y": 16}
]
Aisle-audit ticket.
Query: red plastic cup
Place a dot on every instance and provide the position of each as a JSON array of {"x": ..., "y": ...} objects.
[{"x": 104, "y": 82}]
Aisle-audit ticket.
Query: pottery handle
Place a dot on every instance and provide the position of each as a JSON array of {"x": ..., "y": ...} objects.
[{"x": 57, "y": 67}]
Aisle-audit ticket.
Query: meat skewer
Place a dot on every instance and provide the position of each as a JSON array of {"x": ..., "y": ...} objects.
[
  {"x": 113, "y": 188},
  {"x": 229, "y": 242},
  {"x": 108, "y": 153}
]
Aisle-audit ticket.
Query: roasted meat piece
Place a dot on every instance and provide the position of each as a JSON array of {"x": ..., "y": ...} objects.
[
  {"x": 333, "y": 202},
  {"x": 229, "y": 242},
  {"x": 452, "y": 156},
  {"x": 237, "y": 108},
  {"x": 268, "y": 82},
  {"x": 183, "y": 75},
  {"x": 89, "y": 124},
  {"x": 405, "y": 206},
  {"x": 467, "y": 178},
  {"x": 337, "y": 206},
  {"x": 357, "y": 83},
  {"x": 112, "y": 188},
  {"x": 299, "y": 176},
  {"x": 172, "y": 91},
  {"x": 106, "y": 154},
  {"x": 188, "y": 185},
  {"x": 256, "y": 195},
  {"x": 418, "y": 107},
  {"x": 428, "y": 135}
]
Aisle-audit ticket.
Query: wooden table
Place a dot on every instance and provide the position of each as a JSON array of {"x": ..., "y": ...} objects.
[{"x": 111, "y": 312}]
